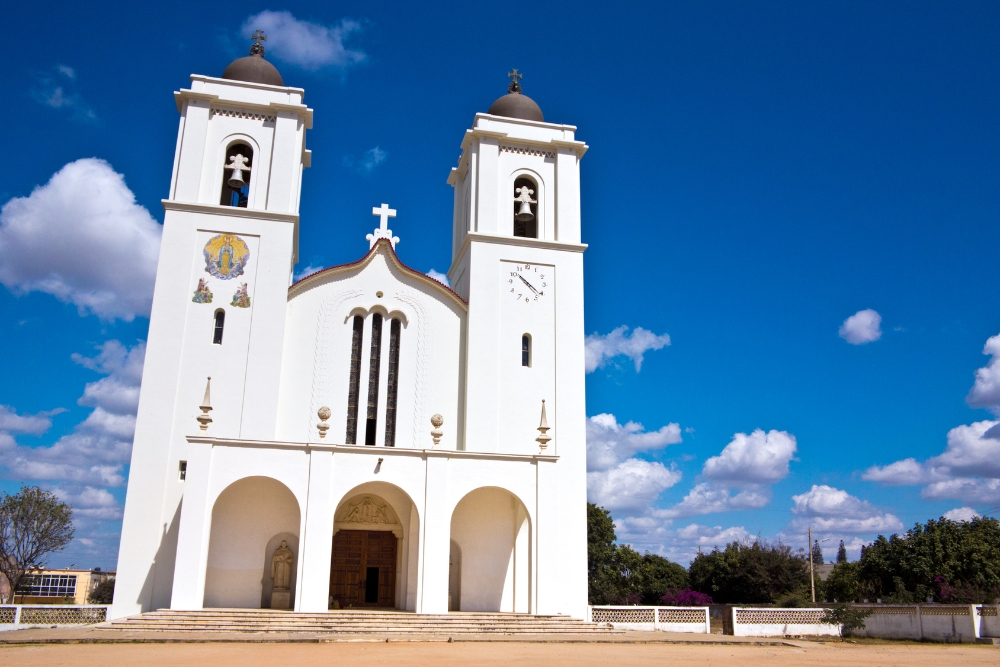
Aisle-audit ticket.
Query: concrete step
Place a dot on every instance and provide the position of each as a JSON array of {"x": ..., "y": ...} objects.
[{"x": 354, "y": 623}]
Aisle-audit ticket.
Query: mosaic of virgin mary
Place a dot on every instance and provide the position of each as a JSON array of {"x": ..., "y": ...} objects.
[{"x": 226, "y": 255}]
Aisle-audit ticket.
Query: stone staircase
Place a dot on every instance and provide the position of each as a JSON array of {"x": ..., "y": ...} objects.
[{"x": 356, "y": 623}]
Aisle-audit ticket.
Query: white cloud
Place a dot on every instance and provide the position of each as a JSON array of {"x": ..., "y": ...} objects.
[
  {"x": 306, "y": 271},
  {"x": 961, "y": 514},
  {"x": 906, "y": 472},
  {"x": 440, "y": 277},
  {"x": 831, "y": 510},
  {"x": 90, "y": 502},
  {"x": 708, "y": 498},
  {"x": 311, "y": 46},
  {"x": 631, "y": 486},
  {"x": 368, "y": 161},
  {"x": 862, "y": 327},
  {"x": 985, "y": 393},
  {"x": 679, "y": 545},
  {"x": 82, "y": 238},
  {"x": 37, "y": 424},
  {"x": 976, "y": 490},
  {"x": 758, "y": 458},
  {"x": 58, "y": 89},
  {"x": 609, "y": 442},
  {"x": 968, "y": 469},
  {"x": 97, "y": 450},
  {"x": 600, "y": 349}
]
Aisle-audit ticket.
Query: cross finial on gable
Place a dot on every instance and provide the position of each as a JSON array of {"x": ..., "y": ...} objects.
[
  {"x": 383, "y": 232},
  {"x": 515, "y": 77},
  {"x": 257, "y": 48}
]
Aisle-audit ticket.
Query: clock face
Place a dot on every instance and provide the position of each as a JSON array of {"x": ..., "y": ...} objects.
[{"x": 527, "y": 283}]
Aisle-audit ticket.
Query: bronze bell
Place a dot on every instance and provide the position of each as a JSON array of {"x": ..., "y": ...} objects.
[
  {"x": 524, "y": 213},
  {"x": 237, "y": 164}
]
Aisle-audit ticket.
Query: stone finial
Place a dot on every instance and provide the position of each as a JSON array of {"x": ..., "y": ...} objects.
[
  {"x": 436, "y": 422},
  {"x": 206, "y": 406},
  {"x": 323, "y": 413},
  {"x": 543, "y": 429},
  {"x": 383, "y": 232}
]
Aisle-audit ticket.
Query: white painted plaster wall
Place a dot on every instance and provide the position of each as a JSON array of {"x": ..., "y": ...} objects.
[
  {"x": 246, "y": 519},
  {"x": 490, "y": 528}
]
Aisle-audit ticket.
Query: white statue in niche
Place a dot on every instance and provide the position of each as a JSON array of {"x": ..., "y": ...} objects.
[
  {"x": 281, "y": 567},
  {"x": 281, "y": 574}
]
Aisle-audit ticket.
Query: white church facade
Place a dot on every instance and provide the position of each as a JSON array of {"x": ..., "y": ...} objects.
[{"x": 368, "y": 437}]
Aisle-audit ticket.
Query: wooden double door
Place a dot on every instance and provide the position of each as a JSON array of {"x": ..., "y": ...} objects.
[{"x": 363, "y": 568}]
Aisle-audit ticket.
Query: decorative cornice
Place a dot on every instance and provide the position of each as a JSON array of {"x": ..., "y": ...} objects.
[
  {"x": 382, "y": 245},
  {"x": 234, "y": 113},
  {"x": 229, "y": 211},
  {"x": 368, "y": 451},
  {"x": 505, "y": 148},
  {"x": 543, "y": 244}
]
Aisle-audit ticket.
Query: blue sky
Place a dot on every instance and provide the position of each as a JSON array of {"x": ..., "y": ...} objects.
[{"x": 758, "y": 174}]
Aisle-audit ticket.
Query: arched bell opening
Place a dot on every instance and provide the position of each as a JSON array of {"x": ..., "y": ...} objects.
[
  {"x": 374, "y": 557},
  {"x": 491, "y": 529},
  {"x": 250, "y": 519},
  {"x": 525, "y": 207},
  {"x": 236, "y": 173}
]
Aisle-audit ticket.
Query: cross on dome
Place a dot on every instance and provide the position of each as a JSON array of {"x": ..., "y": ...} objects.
[
  {"x": 383, "y": 232},
  {"x": 515, "y": 86}
]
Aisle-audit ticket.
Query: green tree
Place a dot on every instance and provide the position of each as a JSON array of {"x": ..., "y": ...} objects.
[
  {"x": 848, "y": 618},
  {"x": 842, "y": 585},
  {"x": 33, "y": 524},
  {"x": 617, "y": 573},
  {"x": 954, "y": 561},
  {"x": 602, "y": 566},
  {"x": 842, "y": 553},
  {"x": 817, "y": 553},
  {"x": 750, "y": 572},
  {"x": 103, "y": 593}
]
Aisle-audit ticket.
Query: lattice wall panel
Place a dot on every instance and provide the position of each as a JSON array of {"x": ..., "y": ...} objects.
[
  {"x": 681, "y": 615},
  {"x": 944, "y": 611},
  {"x": 779, "y": 616},
  {"x": 7, "y": 615},
  {"x": 638, "y": 615},
  {"x": 52, "y": 615},
  {"x": 987, "y": 611}
]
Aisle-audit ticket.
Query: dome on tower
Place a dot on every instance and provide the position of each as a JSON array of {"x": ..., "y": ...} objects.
[
  {"x": 515, "y": 104},
  {"x": 253, "y": 68}
]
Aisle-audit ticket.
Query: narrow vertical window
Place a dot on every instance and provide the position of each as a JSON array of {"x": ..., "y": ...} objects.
[
  {"x": 182, "y": 470},
  {"x": 526, "y": 350},
  {"x": 236, "y": 176},
  {"x": 390, "y": 394},
  {"x": 373, "y": 372},
  {"x": 220, "y": 324},
  {"x": 354, "y": 389}
]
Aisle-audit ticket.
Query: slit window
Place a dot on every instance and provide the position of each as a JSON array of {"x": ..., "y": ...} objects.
[
  {"x": 392, "y": 389},
  {"x": 354, "y": 388},
  {"x": 182, "y": 470},
  {"x": 220, "y": 324},
  {"x": 526, "y": 350},
  {"x": 236, "y": 176},
  {"x": 525, "y": 208},
  {"x": 371, "y": 423}
]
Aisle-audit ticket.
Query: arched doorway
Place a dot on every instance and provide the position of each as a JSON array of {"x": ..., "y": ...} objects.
[
  {"x": 250, "y": 519},
  {"x": 491, "y": 532},
  {"x": 374, "y": 557}
]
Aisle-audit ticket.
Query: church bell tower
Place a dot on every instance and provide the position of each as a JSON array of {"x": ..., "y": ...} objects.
[
  {"x": 517, "y": 259},
  {"x": 229, "y": 245}
]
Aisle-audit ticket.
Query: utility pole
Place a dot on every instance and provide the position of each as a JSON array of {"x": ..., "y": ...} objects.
[{"x": 812, "y": 575}]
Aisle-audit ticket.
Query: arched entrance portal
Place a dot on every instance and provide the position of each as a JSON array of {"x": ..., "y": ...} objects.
[
  {"x": 491, "y": 536},
  {"x": 250, "y": 518},
  {"x": 374, "y": 549}
]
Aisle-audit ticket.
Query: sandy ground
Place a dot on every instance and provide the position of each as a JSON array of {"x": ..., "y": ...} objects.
[{"x": 404, "y": 654}]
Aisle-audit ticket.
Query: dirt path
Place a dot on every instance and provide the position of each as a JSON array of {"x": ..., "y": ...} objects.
[{"x": 405, "y": 654}]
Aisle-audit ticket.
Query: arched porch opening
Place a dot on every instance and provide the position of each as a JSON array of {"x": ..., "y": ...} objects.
[
  {"x": 491, "y": 530},
  {"x": 375, "y": 549},
  {"x": 250, "y": 519}
]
